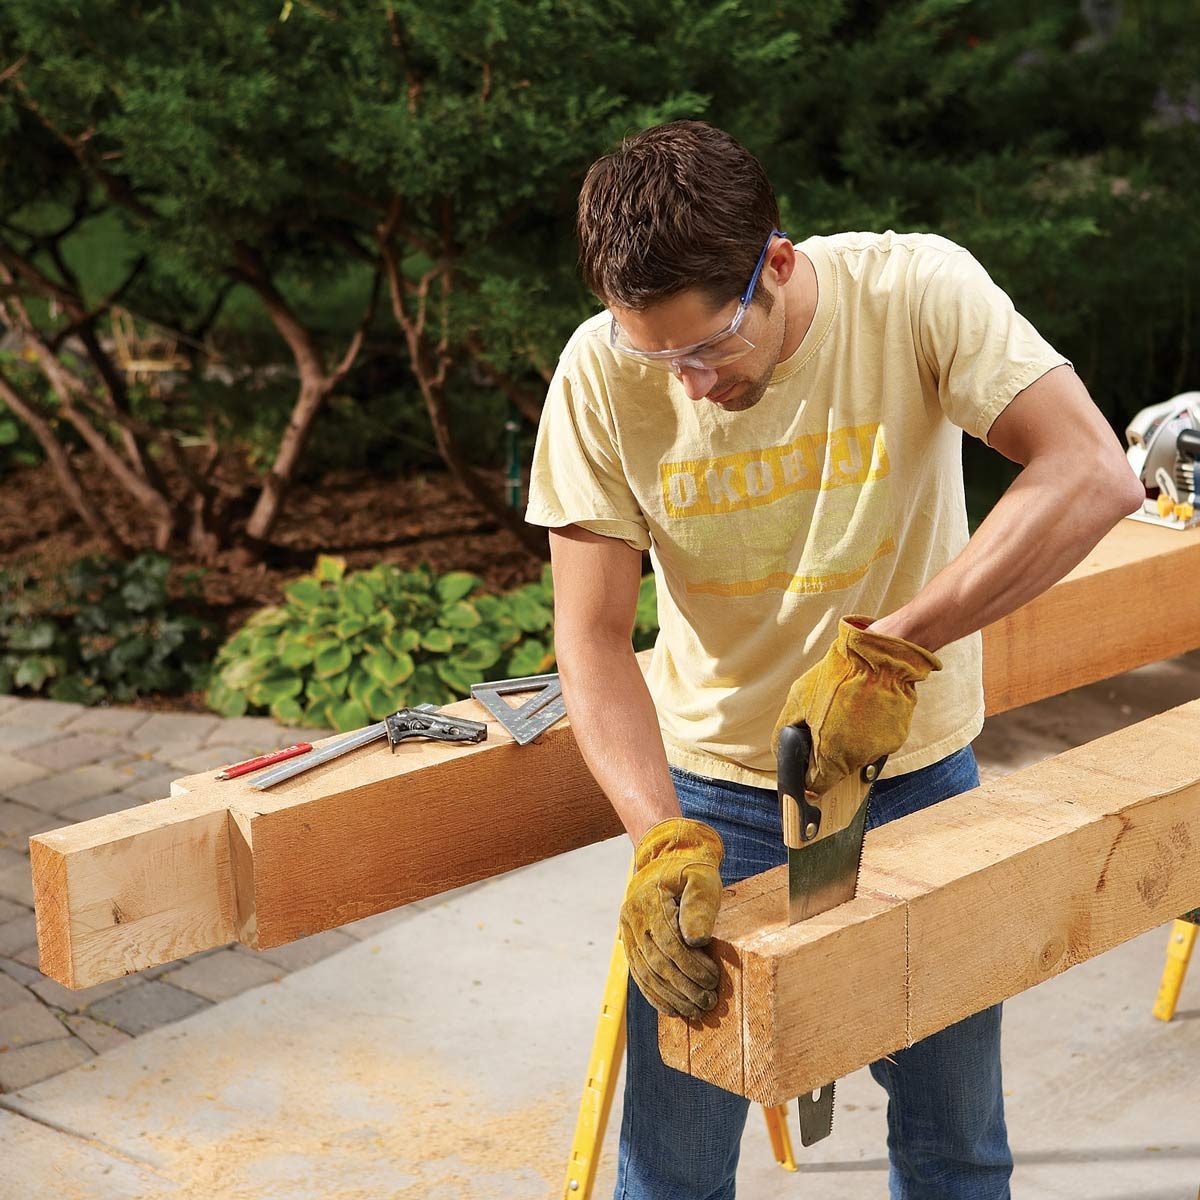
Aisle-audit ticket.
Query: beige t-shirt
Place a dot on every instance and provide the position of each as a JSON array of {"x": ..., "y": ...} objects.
[{"x": 840, "y": 492}]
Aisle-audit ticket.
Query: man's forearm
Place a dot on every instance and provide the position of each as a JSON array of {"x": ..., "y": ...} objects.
[
  {"x": 616, "y": 727},
  {"x": 1043, "y": 525}
]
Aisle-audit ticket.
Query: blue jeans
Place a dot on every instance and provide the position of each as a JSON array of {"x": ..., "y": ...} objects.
[{"x": 947, "y": 1140}]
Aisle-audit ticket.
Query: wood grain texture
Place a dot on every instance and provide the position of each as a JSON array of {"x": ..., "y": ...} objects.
[
  {"x": 1132, "y": 601},
  {"x": 220, "y": 861},
  {"x": 960, "y": 906}
]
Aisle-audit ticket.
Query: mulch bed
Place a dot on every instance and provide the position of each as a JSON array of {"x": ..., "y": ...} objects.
[{"x": 363, "y": 518}]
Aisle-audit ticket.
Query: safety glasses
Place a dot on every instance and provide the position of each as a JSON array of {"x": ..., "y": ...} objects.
[{"x": 725, "y": 346}]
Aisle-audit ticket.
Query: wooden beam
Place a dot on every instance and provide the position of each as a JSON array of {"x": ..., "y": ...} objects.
[
  {"x": 220, "y": 862},
  {"x": 1132, "y": 601},
  {"x": 960, "y": 906}
]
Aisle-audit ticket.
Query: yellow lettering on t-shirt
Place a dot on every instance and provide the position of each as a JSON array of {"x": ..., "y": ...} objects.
[{"x": 850, "y": 455}]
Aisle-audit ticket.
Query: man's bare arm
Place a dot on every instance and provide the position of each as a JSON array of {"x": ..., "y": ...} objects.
[
  {"x": 616, "y": 728},
  {"x": 1074, "y": 488}
]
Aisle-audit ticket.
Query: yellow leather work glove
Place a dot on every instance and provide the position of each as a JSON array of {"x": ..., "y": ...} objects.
[
  {"x": 858, "y": 700},
  {"x": 670, "y": 908}
]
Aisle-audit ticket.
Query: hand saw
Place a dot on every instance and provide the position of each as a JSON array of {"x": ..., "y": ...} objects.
[{"x": 824, "y": 837}]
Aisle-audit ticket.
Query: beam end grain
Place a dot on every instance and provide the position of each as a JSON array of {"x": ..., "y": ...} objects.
[
  {"x": 132, "y": 890},
  {"x": 51, "y": 906}
]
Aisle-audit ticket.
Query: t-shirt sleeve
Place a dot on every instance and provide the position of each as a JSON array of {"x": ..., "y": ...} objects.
[
  {"x": 577, "y": 477},
  {"x": 981, "y": 351}
]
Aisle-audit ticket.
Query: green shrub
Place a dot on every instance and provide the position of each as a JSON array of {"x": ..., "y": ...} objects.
[
  {"x": 106, "y": 630},
  {"x": 343, "y": 650},
  {"x": 18, "y": 446}
]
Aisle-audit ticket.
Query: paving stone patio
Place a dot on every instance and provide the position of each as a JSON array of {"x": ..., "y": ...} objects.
[{"x": 63, "y": 763}]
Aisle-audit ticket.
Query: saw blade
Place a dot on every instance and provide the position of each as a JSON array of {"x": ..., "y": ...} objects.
[
  {"x": 824, "y": 873},
  {"x": 816, "y": 1114}
]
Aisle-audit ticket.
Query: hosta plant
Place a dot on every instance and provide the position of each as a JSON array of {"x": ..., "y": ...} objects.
[{"x": 345, "y": 649}]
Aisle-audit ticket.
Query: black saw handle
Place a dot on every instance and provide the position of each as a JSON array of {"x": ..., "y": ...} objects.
[{"x": 801, "y": 820}]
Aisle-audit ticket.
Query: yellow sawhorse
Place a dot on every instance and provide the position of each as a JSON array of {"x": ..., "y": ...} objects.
[
  {"x": 1179, "y": 951},
  {"x": 608, "y": 1048}
]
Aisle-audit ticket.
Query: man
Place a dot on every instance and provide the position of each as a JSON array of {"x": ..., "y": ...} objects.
[{"x": 780, "y": 426}]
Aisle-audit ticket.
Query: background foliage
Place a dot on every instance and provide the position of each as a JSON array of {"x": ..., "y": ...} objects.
[
  {"x": 354, "y": 220},
  {"x": 105, "y": 631}
]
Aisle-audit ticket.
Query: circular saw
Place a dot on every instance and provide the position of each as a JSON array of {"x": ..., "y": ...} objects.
[{"x": 1164, "y": 452}]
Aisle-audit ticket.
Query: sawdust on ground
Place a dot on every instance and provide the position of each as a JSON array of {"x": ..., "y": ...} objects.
[{"x": 431, "y": 1140}]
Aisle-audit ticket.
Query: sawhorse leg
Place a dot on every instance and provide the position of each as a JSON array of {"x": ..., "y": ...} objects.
[
  {"x": 1179, "y": 950},
  {"x": 608, "y": 1047}
]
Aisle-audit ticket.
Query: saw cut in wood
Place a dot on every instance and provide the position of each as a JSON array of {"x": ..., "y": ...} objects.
[{"x": 959, "y": 906}]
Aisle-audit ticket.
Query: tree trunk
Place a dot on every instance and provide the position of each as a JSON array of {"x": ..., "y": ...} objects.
[
  {"x": 314, "y": 388},
  {"x": 64, "y": 470}
]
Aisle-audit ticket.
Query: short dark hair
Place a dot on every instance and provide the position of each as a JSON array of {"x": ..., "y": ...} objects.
[{"x": 678, "y": 206}]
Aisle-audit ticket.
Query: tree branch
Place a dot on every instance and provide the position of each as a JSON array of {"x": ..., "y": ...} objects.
[{"x": 64, "y": 469}]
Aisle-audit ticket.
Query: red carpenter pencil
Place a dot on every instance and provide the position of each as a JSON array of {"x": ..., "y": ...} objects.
[{"x": 264, "y": 760}]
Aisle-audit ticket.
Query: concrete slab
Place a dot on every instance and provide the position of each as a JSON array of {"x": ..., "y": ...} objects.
[
  {"x": 46, "y": 1162},
  {"x": 24, "y": 1065},
  {"x": 422, "y": 1063}
]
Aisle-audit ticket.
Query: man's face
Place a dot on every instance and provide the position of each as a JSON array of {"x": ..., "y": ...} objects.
[{"x": 689, "y": 318}]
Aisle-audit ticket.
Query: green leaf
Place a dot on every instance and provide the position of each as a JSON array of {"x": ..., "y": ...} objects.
[
  {"x": 245, "y": 672},
  {"x": 348, "y": 714},
  {"x": 382, "y": 702},
  {"x": 437, "y": 641},
  {"x": 402, "y": 641},
  {"x": 319, "y": 713},
  {"x": 10, "y": 432},
  {"x": 359, "y": 685},
  {"x": 332, "y": 659},
  {"x": 455, "y": 676},
  {"x": 305, "y": 593},
  {"x": 478, "y": 655},
  {"x": 530, "y": 615},
  {"x": 226, "y": 701},
  {"x": 454, "y": 585},
  {"x": 274, "y": 616},
  {"x": 33, "y": 671},
  {"x": 329, "y": 569},
  {"x": 74, "y": 690},
  {"x": 647, "y": 603},
  {"x": 288, "y": 712},
  {"x": 391, "y": 670},
  {"x": 529, "y": 658},
  {"x": 271, "y": 691},
  {"x": 294, "y": 652},
  {"x": 358, "y": 597},
  {"x": 347, "y": 627},
  {"x": 339, "y": 683},
  {"x": 38, "y": 636},
  {"x": 459, "y": 615},
  {"x": 321, "y": 689}
]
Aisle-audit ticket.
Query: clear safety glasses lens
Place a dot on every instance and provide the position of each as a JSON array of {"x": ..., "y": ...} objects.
[{"x": 729, "y": 348}]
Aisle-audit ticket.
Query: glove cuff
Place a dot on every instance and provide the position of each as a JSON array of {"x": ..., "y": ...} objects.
[
  {"x": 702, "y": 843},
  {"x": 881, "y": 651}
]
